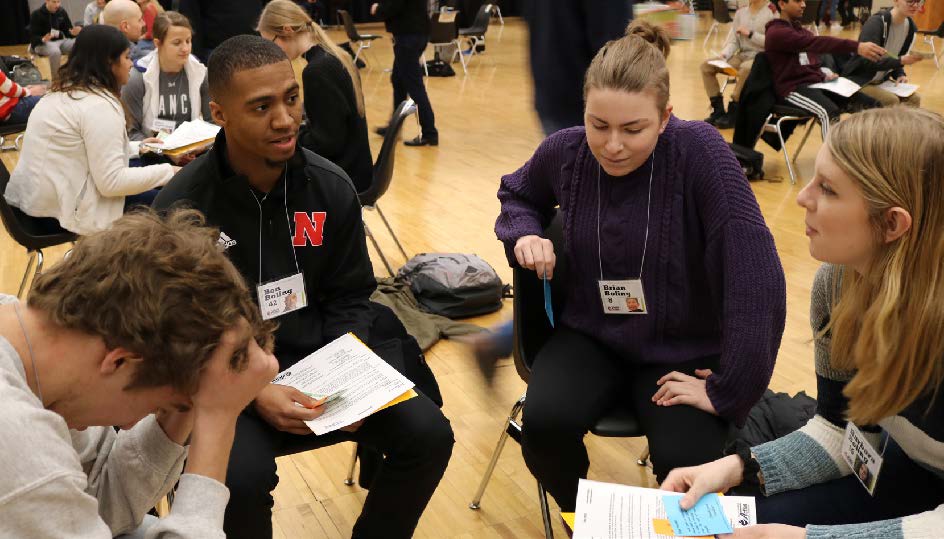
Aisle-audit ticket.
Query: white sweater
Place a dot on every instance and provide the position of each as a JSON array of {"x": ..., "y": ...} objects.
[
  {"x": 56, "y": 482},
  {"x": 74, "y": 163}
]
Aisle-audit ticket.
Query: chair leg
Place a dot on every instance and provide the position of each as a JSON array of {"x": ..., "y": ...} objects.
[
  {"x": 545, "y": 512},
  {"x": 373, "y": 240},
  {"x": 714, "y": 28},
  {"x": 461, "y": 56},
  {"x": 643, "y": 459},
  {"x": 786, "y": 154},
  {"x": 803, "y": 141},
  {"x": 510, "y": 423},
  {"x": 29, "y": 265},
  {"x": 390, "y": 230},
  {"x": 349, "y": 480},
  {"x": 501, "y": 21}
]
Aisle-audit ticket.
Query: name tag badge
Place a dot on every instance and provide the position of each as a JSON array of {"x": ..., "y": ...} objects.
[
  {"x": 282, "y": 296},
  {"x": 622, "y": 297},
  {"x": 804, "y": 59},
  {"x": 164, "y": 126},
  {"x": 865, "y": 461}
]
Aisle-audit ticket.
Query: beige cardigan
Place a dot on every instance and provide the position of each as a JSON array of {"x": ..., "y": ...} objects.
[{"x": 74, "y": 163}]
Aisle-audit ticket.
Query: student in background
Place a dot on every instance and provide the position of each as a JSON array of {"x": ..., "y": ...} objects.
[
  {"x": 93, "y": 12},
  {"x": 215, "y": 21},
  {"x": 150, "y": 9},
  {"x": 793, "y": 55},
  {"x": 334, "y": 102},
  {"x": 168, "y": 87},
  {"x": 74, "y": 163},
  {"x": 146, "y": 326},
  {"x": 52, "y": 33},
  {"x": 408, "y": 21},
  {"x": 873, "y": 215},
  {"x": 17, "y": 102},
  {"x": 702, "y": 353},
  {"x": 893, "y": 30},
  {"x": 126, "y": 16},
  {"x": 742, "y": 45}
]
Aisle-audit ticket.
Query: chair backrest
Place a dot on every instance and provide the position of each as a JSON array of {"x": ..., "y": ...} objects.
[
  {"x": 719, "y": 11},
  {"x": 809, "y": 14},
  {"x": 349, "y": 27},
  {"x": 482, "y": 18},
  {"x": 383, "y": 167},
  {"x": 441, "y": 33},
  {"x": 21, "y": 227},
  {"x": 531, "y": 326}
]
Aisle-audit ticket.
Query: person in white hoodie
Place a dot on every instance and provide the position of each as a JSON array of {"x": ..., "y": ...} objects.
[
  {"x": 168, "y": 86},
  {"x": 74, "y": 166}
]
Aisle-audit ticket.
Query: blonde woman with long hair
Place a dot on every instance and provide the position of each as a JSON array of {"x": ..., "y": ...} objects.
[
  {"x": 333, "y": 100},
  {"x": 875, "y": 216}
]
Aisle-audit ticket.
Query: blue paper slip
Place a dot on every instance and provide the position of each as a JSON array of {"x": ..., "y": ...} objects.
[
  {"x": 548, "y": 307},
  {"x": 705, "y": 518}
]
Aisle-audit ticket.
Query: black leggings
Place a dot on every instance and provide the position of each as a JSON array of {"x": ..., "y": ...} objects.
[{"x": 574, "y": 381}]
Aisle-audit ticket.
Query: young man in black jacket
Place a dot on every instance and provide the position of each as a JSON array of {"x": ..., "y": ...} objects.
[
  {"x": 408, "y": 21},
  {"x": 894, "y": 30},
  {"x": 284, "y": 212},
  {"x": 52, "y": 33}
]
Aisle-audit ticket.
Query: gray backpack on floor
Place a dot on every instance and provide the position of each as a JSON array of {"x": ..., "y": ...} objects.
[{"x": 454, "y": 285}]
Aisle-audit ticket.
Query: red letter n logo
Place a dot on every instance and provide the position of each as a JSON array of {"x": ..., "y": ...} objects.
[{"x": 309, "y": 230}]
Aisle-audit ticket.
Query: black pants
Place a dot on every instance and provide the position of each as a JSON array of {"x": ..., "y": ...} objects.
[
  {"x": 903, "y": 488},
  {"x": 827, "y": 106},
  {"x": 407, "y": 79},
  {"x": 574, "y": 381},
  {"x": 414, "y": 436}
]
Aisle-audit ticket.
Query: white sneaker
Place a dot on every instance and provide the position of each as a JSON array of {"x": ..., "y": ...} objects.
[{"x": 836, "y": 27}]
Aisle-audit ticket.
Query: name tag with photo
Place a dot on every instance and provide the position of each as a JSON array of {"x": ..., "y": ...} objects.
[
  {"x": 622, "y": 297},
  {"x": 282, "y": 296}
]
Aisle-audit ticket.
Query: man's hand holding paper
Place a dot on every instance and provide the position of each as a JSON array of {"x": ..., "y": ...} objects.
[
  {"x": 358, "y": 382},
  {"x": 287, "y": 408}
]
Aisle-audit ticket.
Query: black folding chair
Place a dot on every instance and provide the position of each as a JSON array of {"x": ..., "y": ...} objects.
[
  {"x": 721, "y": 15},
  {"x": 363, "y": 41},
  {"x": 531, "y": 331},
  {"x": 11, "y": 129},
  {"x": 27, "y": 232},
  {"x": 383, "y": 176}
]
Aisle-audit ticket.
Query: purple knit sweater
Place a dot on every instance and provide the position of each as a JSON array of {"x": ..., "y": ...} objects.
[{"x": 713, "y": 281}]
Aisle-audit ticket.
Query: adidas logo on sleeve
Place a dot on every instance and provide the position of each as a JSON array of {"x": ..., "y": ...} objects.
[{"x": 225, "y": 242}]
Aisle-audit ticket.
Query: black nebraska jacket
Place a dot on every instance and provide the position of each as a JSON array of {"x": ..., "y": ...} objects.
[{"x": 323, "y": 227}]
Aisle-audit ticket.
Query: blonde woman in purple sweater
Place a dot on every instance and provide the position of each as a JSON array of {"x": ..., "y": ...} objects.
[{"x": 657, "y": 209}]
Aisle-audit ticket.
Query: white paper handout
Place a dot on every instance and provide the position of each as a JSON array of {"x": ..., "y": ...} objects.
[
  {"x": 189, "y": 133},
  {"x": 901, "y": 89},
  {"x": 611, "y": 511},
  {"x": 840, "y": 85},
  {"x": 359, "y": 381}
]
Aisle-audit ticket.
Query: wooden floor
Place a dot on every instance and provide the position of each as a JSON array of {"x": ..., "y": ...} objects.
[{"x": 443, "y": 199}]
